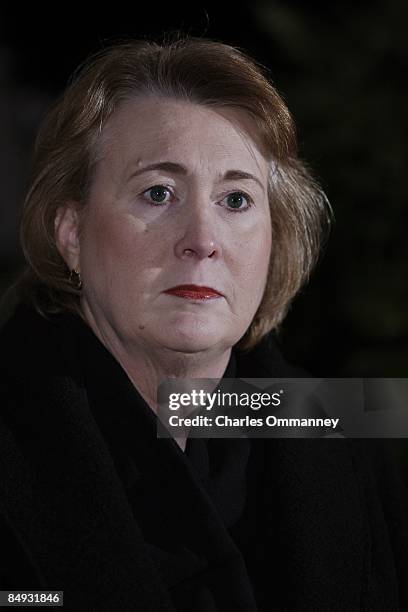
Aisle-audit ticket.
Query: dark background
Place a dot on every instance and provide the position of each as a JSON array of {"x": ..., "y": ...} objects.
[{"x": 341, "y": 68}]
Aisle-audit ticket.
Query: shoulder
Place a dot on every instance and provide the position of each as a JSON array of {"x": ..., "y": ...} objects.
[
  {"x": 32, "y": 344},
  {"x": 40, "y": 381}
]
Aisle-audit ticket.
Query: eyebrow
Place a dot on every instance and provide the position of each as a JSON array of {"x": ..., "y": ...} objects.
[{"x": 175, "y": 168}]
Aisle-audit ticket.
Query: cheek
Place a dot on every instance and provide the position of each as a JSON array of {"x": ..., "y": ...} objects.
[
  {"x": 252, "y": 254},
  {"x": 114, "y": 241}
]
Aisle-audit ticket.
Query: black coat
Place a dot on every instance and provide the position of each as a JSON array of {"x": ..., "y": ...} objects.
[{"x": 92, "y": 503}]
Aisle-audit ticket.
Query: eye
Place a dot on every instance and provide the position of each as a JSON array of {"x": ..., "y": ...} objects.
[
  {"x": 156, "y": 195},
  {"x": 236, "y": 201}
]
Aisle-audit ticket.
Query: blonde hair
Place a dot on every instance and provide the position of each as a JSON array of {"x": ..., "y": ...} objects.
[{"x": 194, "y": 69}]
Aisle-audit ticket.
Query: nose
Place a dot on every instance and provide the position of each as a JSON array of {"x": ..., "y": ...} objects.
[{"x": 200, "y": 237}]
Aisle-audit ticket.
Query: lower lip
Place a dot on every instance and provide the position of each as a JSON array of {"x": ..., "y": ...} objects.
[{"x": 194, "y": 295}]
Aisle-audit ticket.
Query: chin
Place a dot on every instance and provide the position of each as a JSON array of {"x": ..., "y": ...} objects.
[{"x": 191, "y": 340}]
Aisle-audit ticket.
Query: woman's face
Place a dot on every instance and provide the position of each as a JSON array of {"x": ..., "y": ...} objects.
[{"x": 179, "y": 197}]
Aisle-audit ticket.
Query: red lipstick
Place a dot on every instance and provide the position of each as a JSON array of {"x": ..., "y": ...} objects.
[{"x": 194, "y": 292}]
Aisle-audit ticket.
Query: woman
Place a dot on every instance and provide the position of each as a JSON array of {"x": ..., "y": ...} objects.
[{"x": 167, "y": 226}]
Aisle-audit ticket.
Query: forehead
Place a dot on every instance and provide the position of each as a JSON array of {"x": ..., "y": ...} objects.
[{"x": 149, "y": 127}]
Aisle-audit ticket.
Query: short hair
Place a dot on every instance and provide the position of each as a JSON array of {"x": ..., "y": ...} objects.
[{"x": 199, "y": 70}]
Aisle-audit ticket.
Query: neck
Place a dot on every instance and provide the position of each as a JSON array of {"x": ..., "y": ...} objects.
[{"x": 148, "y": 369}]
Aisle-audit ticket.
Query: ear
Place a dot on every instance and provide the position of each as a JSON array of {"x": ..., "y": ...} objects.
[{"x": 66, "y": 226}]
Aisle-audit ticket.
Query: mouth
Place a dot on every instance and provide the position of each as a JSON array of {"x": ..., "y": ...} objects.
[{"x": 194, "y": 292}]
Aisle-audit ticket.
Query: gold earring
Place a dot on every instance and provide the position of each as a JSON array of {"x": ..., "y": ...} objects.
[{"x": 75, "y": 279}]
